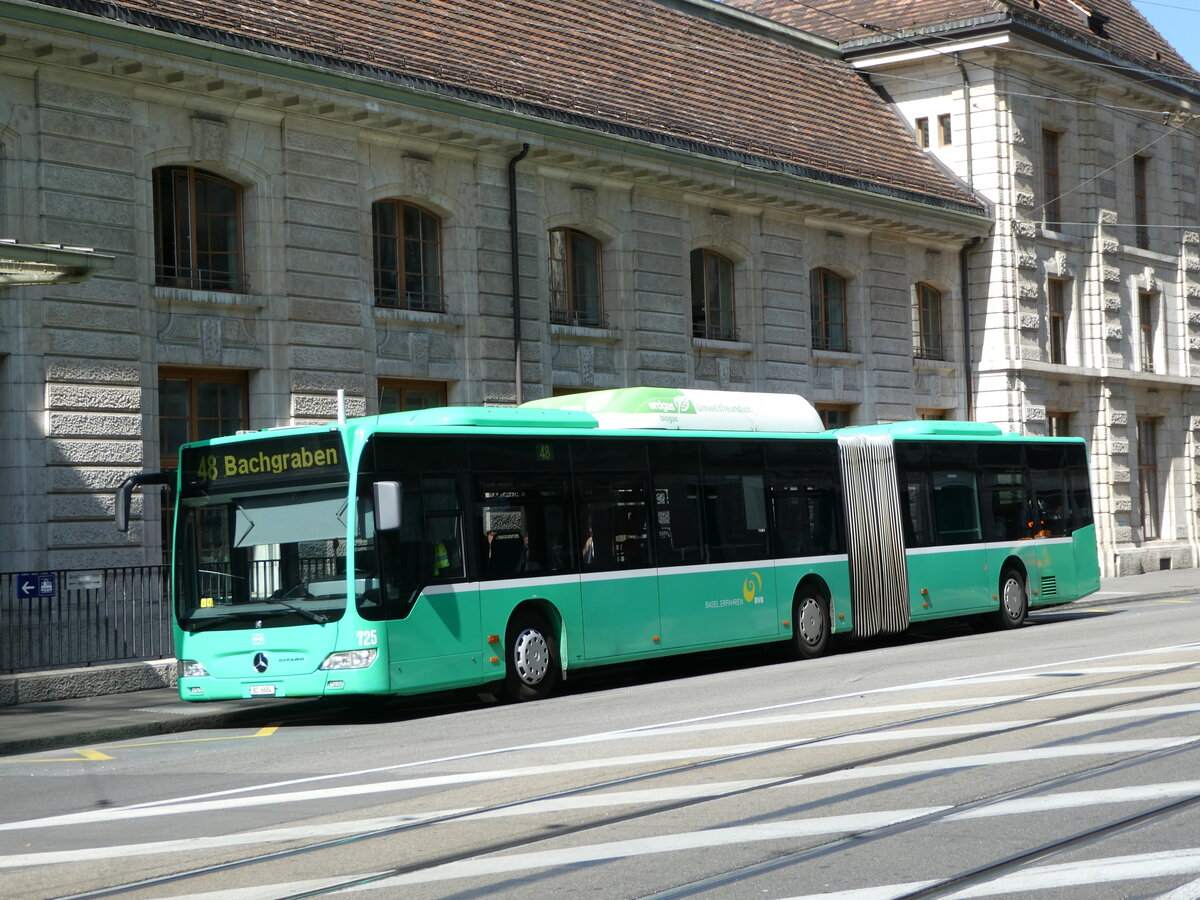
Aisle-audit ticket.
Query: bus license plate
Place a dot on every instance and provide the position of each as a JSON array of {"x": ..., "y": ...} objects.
[{"x": 262, "y": 690}]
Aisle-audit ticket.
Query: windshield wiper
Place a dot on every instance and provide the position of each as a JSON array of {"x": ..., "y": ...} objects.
[
  {"x": 319, "y": 618},
  {"x": 192, "y": 625}
]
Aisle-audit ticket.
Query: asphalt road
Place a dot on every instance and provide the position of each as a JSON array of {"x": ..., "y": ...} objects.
[{"x": 1061, "y": 760}]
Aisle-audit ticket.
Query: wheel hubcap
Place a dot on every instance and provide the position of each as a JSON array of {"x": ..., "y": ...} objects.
[
  {"x": 808, "y": 622},
  {"x": 531, "y": 655},
  {"x": 1013, "y": 597}
]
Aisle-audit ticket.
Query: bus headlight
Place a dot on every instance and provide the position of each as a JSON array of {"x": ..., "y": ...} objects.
[
  {"x": 350, "y": 659},
  {"x": 189, "y": 668}
]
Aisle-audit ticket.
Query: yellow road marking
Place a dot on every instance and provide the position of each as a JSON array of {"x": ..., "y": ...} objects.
[
  {"x": 92, "y": 754},
  {"x": 83, "y": 755},
  {"x": 1176, "y": 601}
]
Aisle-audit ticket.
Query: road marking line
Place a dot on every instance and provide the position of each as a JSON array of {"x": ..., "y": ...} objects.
[
  {"x": 670, "y": 843},
  {"x": 1018, "y": 806},
  {"x": 999, "y": 758},
  {"x": 381, "y": 787},
  {"x": 483, "y": 754}
]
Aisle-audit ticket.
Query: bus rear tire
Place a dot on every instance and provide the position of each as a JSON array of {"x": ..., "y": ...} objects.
[
  {"x": 810, "y": 625},
  {"x": 531, "y": 664},
  {"x": 1014, "y": 600}
]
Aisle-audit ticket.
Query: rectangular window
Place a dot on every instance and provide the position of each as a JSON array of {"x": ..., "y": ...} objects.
[
  {"x": 1141, "y": 222},
  {"x": 1147, "y": 456},
  {"x": 806, "y": 497},
  {"x": 955, "y": 495},
  {"x": 1056, "y": 289},
  {"x": 928, "y": 331},
  {"x": 945, "y": 135},
  {"x": 1147, "y": 327},
  {"x": 614, "y": 513},
  {"x": 194, "y": 405},
  {"x": 712, "y": 296},
  {"x": 402, "y": 396},
  {"x": 575, "y": 282},
  {"x": 677, "y": 502},
  {"x": 828, "y": 291},
  {"x": 834, "y": 415},
  {"x": 1058, "y": 424},
  {"x": 408, "y": 256},
  {"x": 735, "y": 503},
  {"x": 197, "y": 231},
  {"x": 1051, "y": 185},
  {"x": 922, "y": 126}
]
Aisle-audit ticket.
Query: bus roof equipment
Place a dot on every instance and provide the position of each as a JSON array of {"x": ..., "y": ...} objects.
[{"x": 689, "y": 410}]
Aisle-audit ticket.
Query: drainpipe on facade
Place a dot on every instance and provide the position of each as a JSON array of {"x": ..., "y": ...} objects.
[
  {"x": 964, "y": 274},
  {"x": 964, "y": 254},
  {"x": 516, "y": 267},
  {"x": 966, "y": 82}
]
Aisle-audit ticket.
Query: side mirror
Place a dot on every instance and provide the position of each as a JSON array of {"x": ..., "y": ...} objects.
[
  {"x": 125, "y": 493},
  {"x": 388, "y": 496}
]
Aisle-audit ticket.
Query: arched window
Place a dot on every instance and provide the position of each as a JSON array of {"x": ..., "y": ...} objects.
[
  {"x": 408, "y": 256},
  {"x": 197, "y": 231},
  {"x": 829, "y": 311},
  {"x": 927, "y": 323},
  {"x": 575, "y": 279},
  {"x": 712, "y": 296}
]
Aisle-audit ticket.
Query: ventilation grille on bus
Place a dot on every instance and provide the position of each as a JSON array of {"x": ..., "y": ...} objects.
[{"x": 1049, "y": 586}]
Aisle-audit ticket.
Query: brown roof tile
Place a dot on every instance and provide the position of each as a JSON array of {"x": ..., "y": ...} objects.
[
  {"x": 1117, "y": 27},
  {"x": 639, "y": 67}
]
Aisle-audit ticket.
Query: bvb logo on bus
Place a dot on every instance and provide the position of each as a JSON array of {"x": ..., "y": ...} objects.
[{"x": 752, "y": 588}]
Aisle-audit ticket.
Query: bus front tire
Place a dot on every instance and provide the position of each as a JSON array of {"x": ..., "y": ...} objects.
[
  {"x": 1014, "y": 600},
  {"x": 810, "y": 626},
  {"x": 532, "y": 667}
]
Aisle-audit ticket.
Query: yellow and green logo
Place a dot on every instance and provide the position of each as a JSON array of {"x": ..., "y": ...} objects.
[{"x": 752, "y": 587}]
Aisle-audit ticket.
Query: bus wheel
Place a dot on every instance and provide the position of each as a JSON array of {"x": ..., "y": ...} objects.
[
  {"x": 1014, "y": 602},
  {"x": 810, "y": 625},
  {"x": 532, "y": 665}
]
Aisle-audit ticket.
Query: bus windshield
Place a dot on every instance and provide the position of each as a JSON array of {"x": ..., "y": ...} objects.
[{"x": 271, "y": 559}]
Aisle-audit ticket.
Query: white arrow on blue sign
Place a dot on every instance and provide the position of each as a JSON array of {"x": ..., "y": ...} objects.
[{"x": 37, "y": 584}]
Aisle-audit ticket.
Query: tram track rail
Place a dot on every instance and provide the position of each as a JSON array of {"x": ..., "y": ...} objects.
[{"x": 836, "y": 845}]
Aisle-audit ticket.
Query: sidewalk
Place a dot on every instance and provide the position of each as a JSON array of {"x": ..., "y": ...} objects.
[{"x": 61, "y": 725}]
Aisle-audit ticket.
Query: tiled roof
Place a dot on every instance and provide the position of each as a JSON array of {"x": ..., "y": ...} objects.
[
  {"x": 1115, "y": 25},
  {"x": 679, "y": 76}
]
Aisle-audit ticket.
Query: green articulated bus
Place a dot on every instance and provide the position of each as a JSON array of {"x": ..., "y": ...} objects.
[{"x": 460, "y": 546}]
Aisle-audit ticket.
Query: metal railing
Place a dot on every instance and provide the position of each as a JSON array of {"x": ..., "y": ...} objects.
[{"x": 72, "y": 618}]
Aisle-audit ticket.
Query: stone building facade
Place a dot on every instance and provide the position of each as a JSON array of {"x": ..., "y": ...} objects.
[
  {"x": 299, "y": 206},
  {"x": 1077, "y": 124}
]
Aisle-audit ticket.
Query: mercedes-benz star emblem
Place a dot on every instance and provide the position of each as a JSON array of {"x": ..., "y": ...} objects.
[{"x": 260, "y": 662}]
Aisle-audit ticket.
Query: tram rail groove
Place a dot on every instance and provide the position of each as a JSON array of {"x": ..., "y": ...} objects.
[
  {"x": 853, "y": 840},
  {"x": 568, "y": 830}
]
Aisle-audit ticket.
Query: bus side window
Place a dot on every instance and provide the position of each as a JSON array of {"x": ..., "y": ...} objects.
[
  {"x": 916, "y": 494},
  {"x": 524, "y": 526},
  {"x": 735, "y": 509},
  {"x": 806, "y": 498},
  {"x": 1051, "y": 511},
  {"x": 1080, "y": 486},
  {"x": 443, "y": 556},
  {"x": 676, "y": 467},
  {"x": 952, "y": 467},
  {"x": 612, "y": 522}
]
